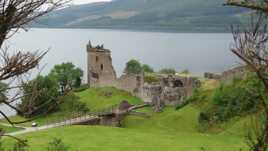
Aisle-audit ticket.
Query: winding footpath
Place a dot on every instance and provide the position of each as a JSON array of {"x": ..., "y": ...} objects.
[{"x": 49, "y": 126}]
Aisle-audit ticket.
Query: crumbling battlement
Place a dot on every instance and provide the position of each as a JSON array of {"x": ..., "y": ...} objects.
[{"x": 101, "y": 72}]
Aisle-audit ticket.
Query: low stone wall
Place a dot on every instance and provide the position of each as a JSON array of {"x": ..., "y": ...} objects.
[
  {"x": 237, "y": 72},
  {"x": 131, "y": 82},
  {"x": 212, "y": 76}
]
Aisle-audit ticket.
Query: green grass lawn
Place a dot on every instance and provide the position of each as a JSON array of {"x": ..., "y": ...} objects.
[
  {"x": 96, "y": 99},
  {"x": 102, "y": 98},
  {"x": 8, "y": 129},
  {"x": 170, "y": 130}
]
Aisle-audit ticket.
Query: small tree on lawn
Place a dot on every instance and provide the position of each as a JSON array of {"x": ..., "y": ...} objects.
[
  {"x": 67, "y": 75},
  {"x": 43, "y": 102}
]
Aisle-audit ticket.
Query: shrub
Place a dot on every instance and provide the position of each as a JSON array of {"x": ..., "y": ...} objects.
[
  {"x": 57, "y": 145},
  {"x": 146, "y": 68},
  {"x": 40, "y": 96},
  {"x": 238, "y": 98},
  {"x": 19, "y": 146},
  {"x": 167, "y": 71},
  {"x": 70, "y": 103},
  {"x": 133, "y": 67}
]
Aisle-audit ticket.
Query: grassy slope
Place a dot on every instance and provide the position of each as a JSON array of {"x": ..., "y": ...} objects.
[
  {"x": 95, "y": 99},
  {"x": 9, "y": 129},
  {"x": 98, "y": 98},
  {"x": 170, "y": 130}
]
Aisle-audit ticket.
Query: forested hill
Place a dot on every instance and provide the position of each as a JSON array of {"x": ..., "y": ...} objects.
[{"x": 174, "y": 15}]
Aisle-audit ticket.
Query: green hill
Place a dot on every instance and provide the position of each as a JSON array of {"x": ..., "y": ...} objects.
[
  {"x": 174, "y": 15},
  {"x": 170, "y": 130}
]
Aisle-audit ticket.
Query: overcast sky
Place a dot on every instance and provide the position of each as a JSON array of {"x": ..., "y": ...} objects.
[{"x": 87, "y": 1}]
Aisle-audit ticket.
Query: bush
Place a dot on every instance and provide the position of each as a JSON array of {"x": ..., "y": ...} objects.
[
  {"x": 81, "y": 88},
  {"x": 167, "y": 71},
  {"x": 146, "y": 68},
  {"x": 57, "y": 145},
  {"x": 70, "y": 103},
  {"x": 133, "y": 67},
  {"x": 19, "y": 146},
  {"x": 40, "y": 96},
  {"x": 241, "y": 97}
]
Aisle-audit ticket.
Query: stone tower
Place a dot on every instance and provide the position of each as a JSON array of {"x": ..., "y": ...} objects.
[{"x": 100, "y": 68}]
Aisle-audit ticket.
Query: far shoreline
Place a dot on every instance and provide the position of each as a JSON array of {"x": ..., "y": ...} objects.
[{"x": 140, "y": 30}]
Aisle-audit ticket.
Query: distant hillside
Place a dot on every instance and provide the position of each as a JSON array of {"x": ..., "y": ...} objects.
[{"x": 174, "y": 15}]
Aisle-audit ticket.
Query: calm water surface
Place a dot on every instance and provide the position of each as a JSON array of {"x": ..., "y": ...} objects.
[{"x": 196, "y": 52}]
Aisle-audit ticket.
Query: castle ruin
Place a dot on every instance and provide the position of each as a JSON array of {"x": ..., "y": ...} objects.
[
  {"x": 171, "y": 90},
  {"x": 101, "y": 72}
]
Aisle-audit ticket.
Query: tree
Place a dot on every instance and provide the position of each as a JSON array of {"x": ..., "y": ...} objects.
[
  {"x": 250, "y": 45},
  {"x": 16, "y": 15},
  {"x": 259, "y": 5},
  {"x": 133, "y": 67},
  {"x": 168, "y": 71},
  {"x": 44, "y": 102},
  {"x": 67, "y": 75},
  {"x": 147, "y": 68}
]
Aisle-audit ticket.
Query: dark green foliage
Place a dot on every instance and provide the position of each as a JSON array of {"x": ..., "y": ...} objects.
[
  {"x": 57, "y": 145},
  {"x": 67, "y": 75},
  {"x": 241, "y": 97},
  {"x": 40, "y": 96},
  {"x": 167, "y": 71},
  {"x": 146, "y": 68},
  {"x": 133, "y": 67},
  {"x": 81, "y": 88},
  {"x": 70, "y": 103}
]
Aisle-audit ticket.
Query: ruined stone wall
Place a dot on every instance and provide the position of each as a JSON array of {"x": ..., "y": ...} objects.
[
  {"x": 131, "y": 82},
  {"x": 170, "y": 91},
  {"x": 212, "y": 76},
  {"x": 229, "y": 75}
]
